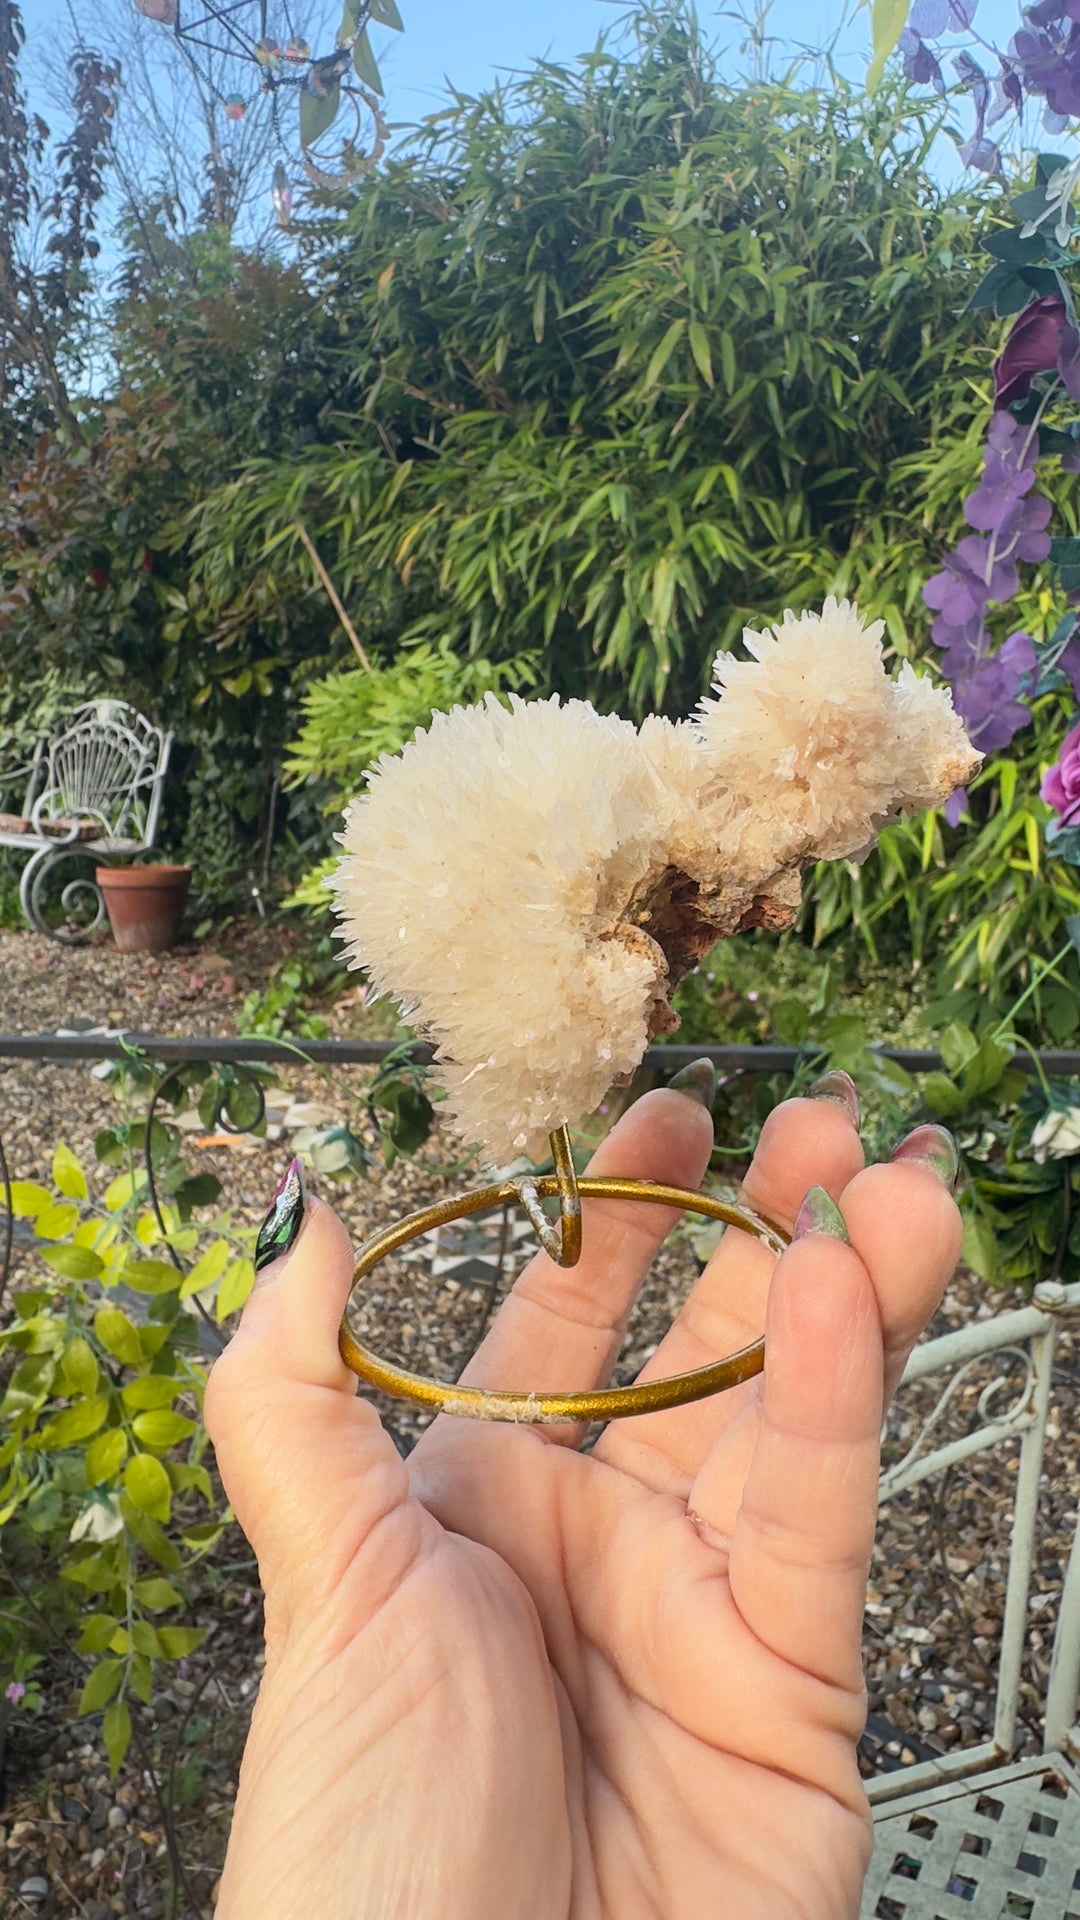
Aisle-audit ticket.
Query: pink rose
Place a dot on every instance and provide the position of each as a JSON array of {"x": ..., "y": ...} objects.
[{"x": 1061, "y": 784}]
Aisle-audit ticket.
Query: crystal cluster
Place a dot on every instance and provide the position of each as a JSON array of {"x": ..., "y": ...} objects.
[{"x": 531, "y": 882}]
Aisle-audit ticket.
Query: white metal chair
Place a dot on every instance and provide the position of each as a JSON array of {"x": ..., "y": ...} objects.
[
  {"x": 94, "y": 788},
  {"x": 973, "y": 1835}
]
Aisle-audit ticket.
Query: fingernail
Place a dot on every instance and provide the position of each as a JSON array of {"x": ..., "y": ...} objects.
[
  {"x": 819, "y": 1213},
  {"x": 697, "y": 1081},
  {"x": 279, "y": 1230},
  {"x": 838, "y": 1086},
  {"x": 931, "y": 1146}
]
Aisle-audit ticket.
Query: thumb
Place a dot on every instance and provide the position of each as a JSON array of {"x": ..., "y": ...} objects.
[{"x": 306, "y": 1465}]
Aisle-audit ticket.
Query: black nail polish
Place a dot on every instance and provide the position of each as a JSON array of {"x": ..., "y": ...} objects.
[{"x": 279, "y": 1230}]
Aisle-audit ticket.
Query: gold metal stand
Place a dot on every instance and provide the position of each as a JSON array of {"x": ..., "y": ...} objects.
[{"x": 563, "y": 1243}]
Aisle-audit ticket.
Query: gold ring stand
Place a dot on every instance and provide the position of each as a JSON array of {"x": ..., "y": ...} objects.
[{"x": 563, "y": 1243}]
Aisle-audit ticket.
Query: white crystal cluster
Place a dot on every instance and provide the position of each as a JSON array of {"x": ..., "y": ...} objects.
[{"x": 532, "y": 882}]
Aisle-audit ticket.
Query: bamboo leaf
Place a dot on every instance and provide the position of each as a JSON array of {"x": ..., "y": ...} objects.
[
  {"x": 662, "y": 354},
  {"x": 888, "y": 19},
  {"x": 699, "y": 347}
]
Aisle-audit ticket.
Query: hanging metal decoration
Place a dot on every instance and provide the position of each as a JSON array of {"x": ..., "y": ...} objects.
[{"x": 334, "y": 130}]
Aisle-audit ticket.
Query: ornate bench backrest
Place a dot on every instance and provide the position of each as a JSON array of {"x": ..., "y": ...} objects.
[{"x": 108, "y": 766}]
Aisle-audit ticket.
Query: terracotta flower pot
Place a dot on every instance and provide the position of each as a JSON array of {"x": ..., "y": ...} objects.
[{"x": 145, "y": 905}]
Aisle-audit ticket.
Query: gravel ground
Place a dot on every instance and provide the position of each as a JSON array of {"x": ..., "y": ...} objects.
[{"x": 71, "y": 1843}]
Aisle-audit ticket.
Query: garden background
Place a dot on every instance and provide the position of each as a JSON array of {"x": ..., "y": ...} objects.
[{"x": 595, "y": 369}]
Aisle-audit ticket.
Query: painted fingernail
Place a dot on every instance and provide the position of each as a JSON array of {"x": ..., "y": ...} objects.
[
  {"x": 819, "y": 1213},
  {"x": 697, "y": 1081},
  {"x": 838, "y": 1086},
  {"x": 279, "y": 1230},
  {"x": 931, "y": 1146}
]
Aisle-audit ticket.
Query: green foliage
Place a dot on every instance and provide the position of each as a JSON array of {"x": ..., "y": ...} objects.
[
  {"x": 95, "y": 581},
  {"x": 635, "y": 355},
  {"x": 50, "y": 195},
  {"x": 1018, "y": 1132},
  {"x": 104, "y": 1487},
  {"x": 351, "y": 718},
  {"x": 109, "y": 1514},
  {"x": 978, "y": 904}
]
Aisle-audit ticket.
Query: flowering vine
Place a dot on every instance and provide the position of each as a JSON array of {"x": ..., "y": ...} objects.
[{"x": 1039, "y": 367}]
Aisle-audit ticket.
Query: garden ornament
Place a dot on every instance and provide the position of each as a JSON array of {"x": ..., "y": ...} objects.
[
  {"x": 252, "y": 42},
  {"x": 531, "y": 882}
]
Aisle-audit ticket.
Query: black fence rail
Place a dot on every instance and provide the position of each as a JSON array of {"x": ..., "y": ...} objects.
[
  {"x": 172, "y": 1052},
  {"x": 109, "y": 1044}
]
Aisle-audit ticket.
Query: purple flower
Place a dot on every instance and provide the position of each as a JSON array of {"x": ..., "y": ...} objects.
[
  {"x": 1068, "y": 361},
  {"x": 981, "y": 154},
  {"x": 1047, "y": 12},
  {"x": 985, "y": 697},
  {"x": 977, "y": 152},
  {"x": 954, "y": 806},
  {"x": 920, "y": 64},
  {"x": 1019, "y": 654},
  {"x": 1061, "y": 785},
  {"x": 1008, "y": 94},
  {"x": 972, "y": 575},
  {"x": 14, "y": 1691},
  {"x": 928, "y": 18},
  {"x": 1069, "y": 662},
  {"x": 1032, "y": 347},
  {"x": 1023, "y": 532},
  {"x": 1004, "y": 481},
  {"x": 1048, "y": 52}
]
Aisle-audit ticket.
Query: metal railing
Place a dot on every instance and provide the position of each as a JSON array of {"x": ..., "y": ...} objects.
[
  {"x": 115, "y": 1043},
  {"x": 1028, "y": 1333}
]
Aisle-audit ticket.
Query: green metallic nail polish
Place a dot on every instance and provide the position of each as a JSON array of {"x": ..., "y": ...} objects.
[
  {"x": 931, "y": 1146},
  {"x": 819, "y": 1213},
  {"x": 839, "y": 1087},
  {"x": 697, "y": 1081},
  {"x": 278, "y": 1233}
]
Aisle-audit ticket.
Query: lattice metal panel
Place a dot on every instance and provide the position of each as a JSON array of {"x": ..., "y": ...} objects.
[{"x": 1003, "y": 1846}]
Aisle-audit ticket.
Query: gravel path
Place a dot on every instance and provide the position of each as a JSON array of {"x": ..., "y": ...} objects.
[{"x": 71, "y": 1844}]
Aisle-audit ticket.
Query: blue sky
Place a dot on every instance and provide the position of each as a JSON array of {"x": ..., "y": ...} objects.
[{"x": 471, "y": 41}]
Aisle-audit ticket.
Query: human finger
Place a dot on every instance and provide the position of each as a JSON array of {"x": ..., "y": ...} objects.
[
  {"x": 801, "y": 1541},
  {"x": 305, "y": 1463},
  {"x": 904, "y": 1225},
  {"x": 560, "y": 1328},
  {"x": 804, "y": 1142}
]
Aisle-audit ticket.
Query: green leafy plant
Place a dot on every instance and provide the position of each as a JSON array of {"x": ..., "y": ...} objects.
[
  {"x": 351, "y": 718},
  {"x": 106, "y": 1499},
  {"x": 636, "y": 354},
  {"x": 109, "y": 1511}
]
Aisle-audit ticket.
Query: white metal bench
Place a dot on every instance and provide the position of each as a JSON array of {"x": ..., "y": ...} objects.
[
  {"x": 93, "y": 789},
  {"x": 974, "y": 1833}
]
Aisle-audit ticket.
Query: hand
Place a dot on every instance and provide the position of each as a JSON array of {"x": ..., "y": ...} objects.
[{"x": 509, "y": 1681}]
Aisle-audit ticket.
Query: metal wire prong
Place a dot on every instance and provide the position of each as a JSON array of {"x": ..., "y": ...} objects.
[{"x": 562, "y": 1243}]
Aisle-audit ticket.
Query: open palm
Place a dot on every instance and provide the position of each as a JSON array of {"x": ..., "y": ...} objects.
[{"x": 507, "y": 1680}]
